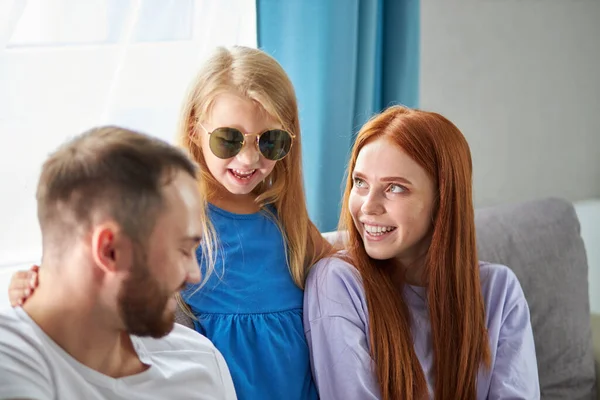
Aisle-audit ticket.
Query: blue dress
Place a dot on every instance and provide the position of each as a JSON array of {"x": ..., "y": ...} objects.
[{"x": 251, "y": 310}]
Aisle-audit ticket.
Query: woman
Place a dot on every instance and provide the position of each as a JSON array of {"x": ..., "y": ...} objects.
[{"x": 411, "y": 313}]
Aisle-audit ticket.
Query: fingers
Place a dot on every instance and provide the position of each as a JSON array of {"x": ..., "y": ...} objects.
[
  {"x": 18, "y": 297},
  {"x": 34, "y": 280},
  {"x": 22, "y": 285}
]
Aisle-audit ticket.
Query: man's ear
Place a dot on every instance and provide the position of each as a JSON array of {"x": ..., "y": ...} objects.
[{"x": 110, "y": 247}]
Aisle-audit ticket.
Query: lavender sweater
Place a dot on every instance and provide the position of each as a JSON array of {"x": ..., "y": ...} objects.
[{"x": 336, "y": 324}]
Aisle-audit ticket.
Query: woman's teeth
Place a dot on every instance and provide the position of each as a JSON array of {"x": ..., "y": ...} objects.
[{"x": 378, "y": 230}]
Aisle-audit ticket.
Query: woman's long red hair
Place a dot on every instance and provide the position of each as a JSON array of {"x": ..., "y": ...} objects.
[{"x": 456, "y": 308}]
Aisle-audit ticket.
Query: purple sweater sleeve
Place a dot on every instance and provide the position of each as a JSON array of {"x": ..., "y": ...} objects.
[
  {"x": 335, "y": 323},
  {"x": 514, "y": 372}
]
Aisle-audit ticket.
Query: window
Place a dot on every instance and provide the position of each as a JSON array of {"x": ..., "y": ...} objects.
[{"x": 68, "y": 65}]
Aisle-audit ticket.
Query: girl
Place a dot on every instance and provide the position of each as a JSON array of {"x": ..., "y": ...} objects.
[
  {"x": 240, "y": 123},
  {"x": 412, "y": 314}
]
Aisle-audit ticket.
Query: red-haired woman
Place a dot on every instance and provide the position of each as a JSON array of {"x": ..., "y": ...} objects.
[{"x": 411, "y": 313}]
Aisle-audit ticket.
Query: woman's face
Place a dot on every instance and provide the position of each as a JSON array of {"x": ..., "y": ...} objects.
[{"x": 391, "y": 202}]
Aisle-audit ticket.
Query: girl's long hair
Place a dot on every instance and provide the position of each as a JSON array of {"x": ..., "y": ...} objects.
[{"x": 256, "y": 76}]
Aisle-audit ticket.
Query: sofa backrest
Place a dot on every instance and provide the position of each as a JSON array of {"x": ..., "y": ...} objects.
[{"x": 540, "y": 241}]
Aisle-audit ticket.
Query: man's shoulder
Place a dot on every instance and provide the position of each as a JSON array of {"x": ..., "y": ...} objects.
[
  {"x": 189, "y": 338},
  {"x": 17, "y": 329},
  {"x": 181, "y": 338},
  {"x": 9, "y": 317},
  {"x": 24, "y": 370},
  {"x": 18, "y": 335},
  {"x": 189, "y": 355}
]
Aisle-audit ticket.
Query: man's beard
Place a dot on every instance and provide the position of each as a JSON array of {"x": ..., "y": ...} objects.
[{"x": 142, "y": 302}]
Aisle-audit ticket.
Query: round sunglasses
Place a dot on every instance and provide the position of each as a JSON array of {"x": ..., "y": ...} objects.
[{"x": 273, "y": 144}]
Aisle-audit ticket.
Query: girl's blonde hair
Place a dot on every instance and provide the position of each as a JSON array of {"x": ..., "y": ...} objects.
[{"x": 253, "y": 74}]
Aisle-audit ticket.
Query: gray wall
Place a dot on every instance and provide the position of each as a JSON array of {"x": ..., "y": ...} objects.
[{"x": 521, "y": 79}]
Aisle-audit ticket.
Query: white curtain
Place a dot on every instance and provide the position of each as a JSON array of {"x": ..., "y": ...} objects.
[
  {"x": 10, "y": 12},
  {"x": 67, "y": 65}
]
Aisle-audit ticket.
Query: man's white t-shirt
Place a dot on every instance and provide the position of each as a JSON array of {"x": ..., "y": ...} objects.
[{"x": 183, "y": 365}]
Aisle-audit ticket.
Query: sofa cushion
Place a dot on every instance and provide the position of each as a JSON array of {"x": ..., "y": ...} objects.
[
  {"x": 596, "y": 341},
  {"x": 540, "y": 242},
  {"x": 182, "y": 318}
]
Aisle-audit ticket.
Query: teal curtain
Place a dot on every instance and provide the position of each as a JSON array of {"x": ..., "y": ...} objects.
[{"x": 347, "y": 60}]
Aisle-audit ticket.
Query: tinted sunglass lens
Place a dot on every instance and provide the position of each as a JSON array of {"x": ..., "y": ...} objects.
[
  {"x": 226, "y": 142},
  {"x": 275, "y": 144}
]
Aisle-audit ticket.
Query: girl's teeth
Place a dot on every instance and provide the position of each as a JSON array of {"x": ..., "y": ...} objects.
[{"x": 243, "y": 174}]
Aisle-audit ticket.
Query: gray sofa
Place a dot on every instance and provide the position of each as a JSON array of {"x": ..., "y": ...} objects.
[{"x": 540, "y": 241}]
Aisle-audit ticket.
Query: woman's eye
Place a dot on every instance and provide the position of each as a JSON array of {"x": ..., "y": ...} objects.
[
  {"x": 358, "y": 183},
  {"x": 396, "y": 188}
]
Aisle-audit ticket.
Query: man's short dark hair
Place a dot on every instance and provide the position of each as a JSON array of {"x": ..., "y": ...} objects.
[{"x": 116, "y": 170}]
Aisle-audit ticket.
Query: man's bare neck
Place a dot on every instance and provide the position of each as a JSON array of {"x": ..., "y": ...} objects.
[{"x": 75, "y": 322}]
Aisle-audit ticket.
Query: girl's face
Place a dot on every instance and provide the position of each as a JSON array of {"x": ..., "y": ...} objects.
[
  {"x": 241, "y": 173},
  {"x": 391, "y": 202}
]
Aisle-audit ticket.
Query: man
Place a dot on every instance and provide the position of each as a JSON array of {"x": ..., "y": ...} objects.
[{"x": 119, "y": 214}]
